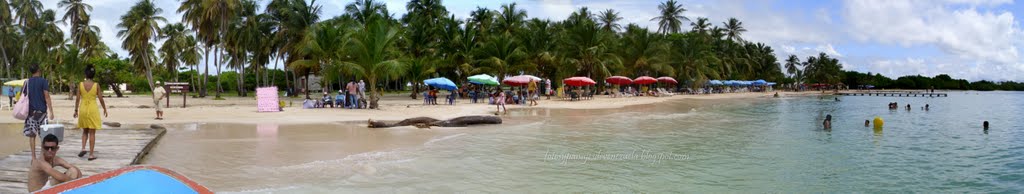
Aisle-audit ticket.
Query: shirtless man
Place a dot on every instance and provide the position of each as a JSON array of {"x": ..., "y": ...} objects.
[{"x": 43, "y": 168}]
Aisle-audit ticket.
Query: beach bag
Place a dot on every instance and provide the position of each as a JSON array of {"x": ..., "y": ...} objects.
[{"x": 21, "y": 108}]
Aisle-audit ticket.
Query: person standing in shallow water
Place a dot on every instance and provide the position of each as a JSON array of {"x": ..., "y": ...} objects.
[
  {"x": 828, "y": 122},
  {"x": 984, "y": 125},
  {"x": 87, "y": 113}
]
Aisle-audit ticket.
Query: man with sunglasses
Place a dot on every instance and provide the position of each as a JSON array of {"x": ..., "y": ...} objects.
[{"x": 43, "y": 169}]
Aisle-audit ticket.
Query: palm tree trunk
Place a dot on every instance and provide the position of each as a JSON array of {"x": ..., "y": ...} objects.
[
  {"x": 241, "y": 79},
  {"x": 373, "y": 93},
  {"x": 305, "y": 85},
  {"x": 202, "y": 85},
  {"x": 216, "y": 63},
  {"x": 7, "y": 63},
  {"x": 273, "y": 78}
]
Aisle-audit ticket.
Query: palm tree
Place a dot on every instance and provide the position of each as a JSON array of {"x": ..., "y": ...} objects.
[
  {"x": 588, "y": 47},
  {"x": 194, "y": 14},
  {"x": 733, "y": 30},
  {"x": 220, "y": 12},
  {"x": 374, "y": 56},
  {"x": 701, "y": 26},
  {"x": 536, "y": 42},
  {"x": 510, "y": 19},
  {"x": 792, "y": 64},
  {"x": 482, "y": 19},
  {"x": 501, "y": 55},
  {"x": 293, "y": 20},
  {"x": 323, "y": 45},
  {"x": 423, "y": 39},
  {"x": 174, "y": 45},
  {"x": 190, "y": 56},
  {"x": 643, "y": 52},
  {"x": 671, "y": 18},
  {"x": 140, "y": 25},
  {"x": 609, "y": 20},
  {"x": 365, "y": 10},
  {"x": 6, "y": 34},
  {"x": 76, "y": 11}
]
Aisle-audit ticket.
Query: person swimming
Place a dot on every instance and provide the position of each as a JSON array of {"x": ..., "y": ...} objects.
[
  {"x": 985, "y": 125},
  {"x": 828, "y": 122},
  {"x": 926, "y": 107},
  {"x": 867, "y": 123},
  {"x": 908, "y": 107},
  {"x": 837, "y": 99}
]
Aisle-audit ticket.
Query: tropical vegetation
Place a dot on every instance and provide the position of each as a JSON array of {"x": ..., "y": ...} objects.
[{"x": 280, "y": 43}]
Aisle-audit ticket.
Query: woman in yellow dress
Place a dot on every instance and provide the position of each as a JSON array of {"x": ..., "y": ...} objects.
[{"x": 89, "y": 116}]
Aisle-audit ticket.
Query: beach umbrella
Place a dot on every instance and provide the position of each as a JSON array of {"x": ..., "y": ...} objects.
[
  {"x": 667, "y": 79},
  {"x": 619, "y": 80},
  {"x": 483, "y": 79},
  {"x": 17, "y": 83},
  {"x": 519, "y": 80},
  {"x": 442, "y": 83},
  {"x": 716, "y": 82},
  {"x": 645, "y": 80},
  {"x": 771, "y": 83},
  {"x": 579, "y": 81},
  {"x": 759, "y": 82}
]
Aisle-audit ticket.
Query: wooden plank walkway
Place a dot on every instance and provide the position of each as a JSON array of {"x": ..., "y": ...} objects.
[
  {"x": 895, "y": 94},
  {"x": 115, "y": 148}
]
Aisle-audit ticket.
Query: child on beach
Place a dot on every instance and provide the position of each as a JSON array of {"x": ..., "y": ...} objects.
[{"x": 500, "y": 102}]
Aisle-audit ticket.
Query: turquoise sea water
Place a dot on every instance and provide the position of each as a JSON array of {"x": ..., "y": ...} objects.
[{"x": 700, "y": 146}]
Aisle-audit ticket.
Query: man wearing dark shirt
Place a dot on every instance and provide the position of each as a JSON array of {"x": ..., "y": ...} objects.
[{"x": 38, "y": 92}]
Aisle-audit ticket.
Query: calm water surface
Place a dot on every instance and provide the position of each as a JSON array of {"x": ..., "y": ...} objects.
[{"x": 751, "y": 145}]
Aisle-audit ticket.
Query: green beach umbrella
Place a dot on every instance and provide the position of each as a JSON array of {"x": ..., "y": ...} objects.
[{"x": 483, "y": 79}]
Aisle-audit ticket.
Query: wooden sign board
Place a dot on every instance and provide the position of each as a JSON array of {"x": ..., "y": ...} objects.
[{"x": 177, "y": 88}]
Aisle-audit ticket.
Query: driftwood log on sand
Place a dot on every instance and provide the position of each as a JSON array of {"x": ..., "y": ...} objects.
[{"x": 427, "y": 122}]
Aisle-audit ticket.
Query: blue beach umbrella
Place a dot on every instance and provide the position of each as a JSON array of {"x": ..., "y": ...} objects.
[
  {"x": 442, "y": 83},
  {"x": 759, "y": 82},
  {"x": 715, "y": 82}
]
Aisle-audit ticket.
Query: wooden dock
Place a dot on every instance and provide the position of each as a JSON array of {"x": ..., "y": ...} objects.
[
  {"x": 115, "y": 148},
  {"x": 893, "y": 94}
]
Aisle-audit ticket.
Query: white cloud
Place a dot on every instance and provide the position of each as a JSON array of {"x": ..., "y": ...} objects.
[{"x": 965, "y": 32}]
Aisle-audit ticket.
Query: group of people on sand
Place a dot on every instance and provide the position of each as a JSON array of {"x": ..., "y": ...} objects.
[
  {"x": 352, "y": 97},
  {"x": 88, "y": 102},
  {"x": 500, "y": 97}
]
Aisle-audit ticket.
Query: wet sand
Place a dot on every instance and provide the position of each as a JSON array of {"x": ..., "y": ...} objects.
[{"x": 229, "y": 157}]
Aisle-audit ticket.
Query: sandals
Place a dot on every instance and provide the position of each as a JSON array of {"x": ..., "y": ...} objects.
[
  {"x": 92, "y": 158},
  {"x": 82, "y": 153}
]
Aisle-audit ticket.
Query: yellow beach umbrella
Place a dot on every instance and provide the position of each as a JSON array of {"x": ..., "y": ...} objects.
[{"x": 17, "y": 83}]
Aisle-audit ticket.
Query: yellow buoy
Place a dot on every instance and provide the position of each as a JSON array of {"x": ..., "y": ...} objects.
[{"x": 879, "y": 122}]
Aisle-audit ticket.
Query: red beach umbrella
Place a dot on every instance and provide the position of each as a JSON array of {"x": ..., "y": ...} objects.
[
  {"x": 579, "y": 81},
  {"x": 667, "y": 79},
  {"x": 645, "y": 80},
  {"x": 619, "y": 80}
]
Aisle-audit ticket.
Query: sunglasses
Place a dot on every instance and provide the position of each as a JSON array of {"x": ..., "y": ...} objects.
[{"x": 50, "y": 148}]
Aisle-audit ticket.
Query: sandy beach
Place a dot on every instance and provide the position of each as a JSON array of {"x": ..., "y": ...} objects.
[{"x": 242, "y": 110}]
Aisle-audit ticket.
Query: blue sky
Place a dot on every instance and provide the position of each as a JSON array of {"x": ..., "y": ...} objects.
[{"x": 972, "y": 39}]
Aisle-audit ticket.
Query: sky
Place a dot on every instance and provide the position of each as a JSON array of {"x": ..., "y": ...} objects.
[{"x": 968, "y": 39}]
